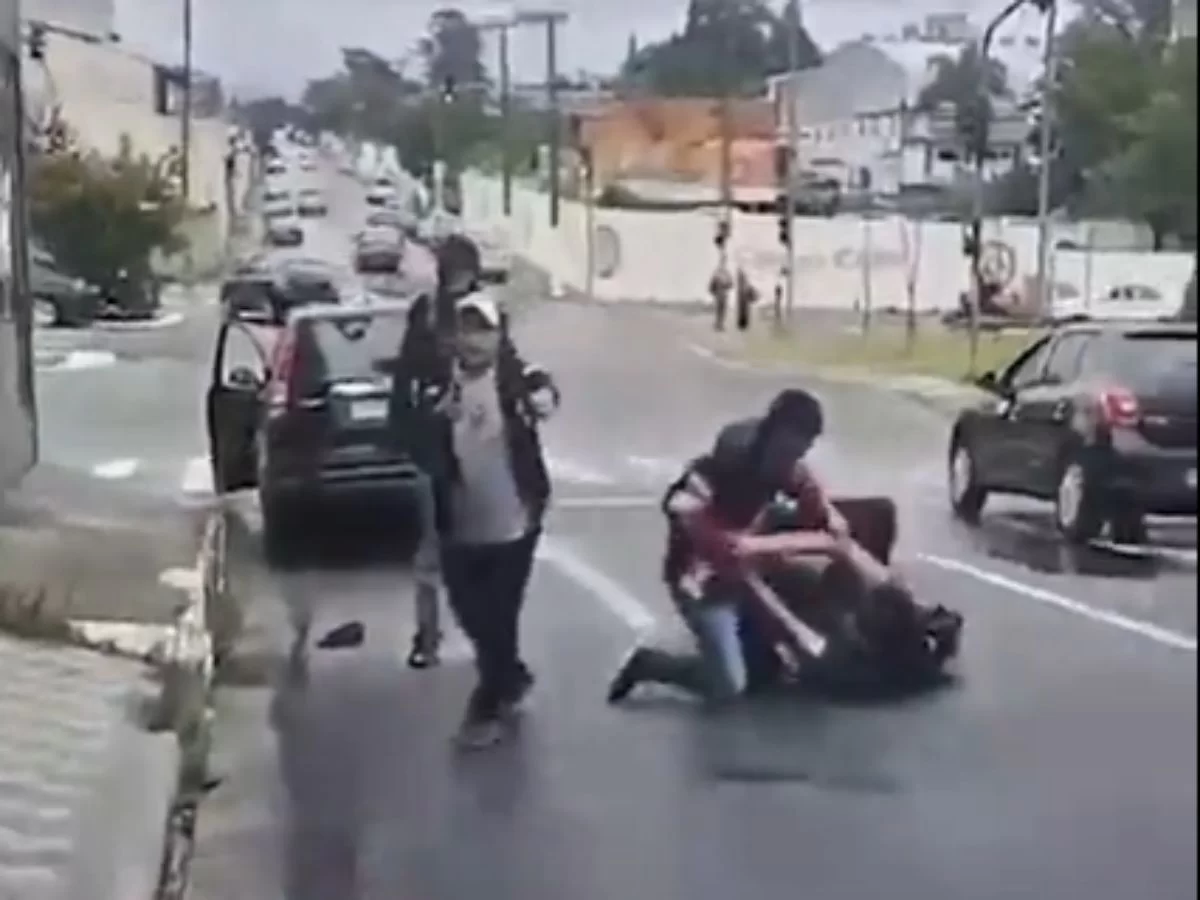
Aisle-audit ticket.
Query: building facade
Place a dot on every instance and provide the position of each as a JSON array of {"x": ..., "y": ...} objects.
[
  {"x": 858, "y": 117},
  {"x": 18, "y": 421}
]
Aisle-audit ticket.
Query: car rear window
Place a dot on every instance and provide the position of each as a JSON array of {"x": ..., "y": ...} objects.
[
  {"x": 1144, "y": 359},
  {"x": 342, "y": 348}
]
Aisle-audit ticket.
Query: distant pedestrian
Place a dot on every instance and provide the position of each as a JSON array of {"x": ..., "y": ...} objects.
[
  {"x": 746, "y": 297},
  {"x": 720, "y": 286}
]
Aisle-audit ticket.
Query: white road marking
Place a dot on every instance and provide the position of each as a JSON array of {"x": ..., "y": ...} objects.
[
  {"x": 167, "y": 320},
  {"x": 570, "y": 470},
  {"x": 1164, "y": 636},
  {"x": 717, "y": 359},
  {"x": 197, "y": 476},
  {"x": 657, "y": 467},
  {"x": 620, "y": 602},
  {"x": 82, "y": 360},
  {"x": 116, "y": 469}
]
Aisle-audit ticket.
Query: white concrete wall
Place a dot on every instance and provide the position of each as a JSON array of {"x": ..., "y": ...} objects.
[{"x": 669, "y": 256}]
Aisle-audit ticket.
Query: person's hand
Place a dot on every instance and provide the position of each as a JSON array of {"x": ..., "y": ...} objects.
[
  {"x": 837, "y": 524},
  {"x": 543, "y": 402},
  {"x": 844, "y": 546}
]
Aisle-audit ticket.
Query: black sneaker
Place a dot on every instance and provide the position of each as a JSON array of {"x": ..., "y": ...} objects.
[
  {"x": 424, "y": 652},
  {"x": 629, "y": 676}
]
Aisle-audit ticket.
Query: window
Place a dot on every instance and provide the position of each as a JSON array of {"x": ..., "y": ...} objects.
[
  {"x": 1066, "y": 359},
  {"x": 1146, "y": 359},
  {"x": 243, "y": 351},
  {"x": 1028, "y": 368},
  {"x": 348, "y": 347}
]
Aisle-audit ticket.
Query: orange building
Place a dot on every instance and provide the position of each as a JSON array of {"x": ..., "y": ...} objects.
[{"x": 680, "y": 140}]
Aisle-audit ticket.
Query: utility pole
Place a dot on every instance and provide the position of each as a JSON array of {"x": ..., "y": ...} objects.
[
  {"x": 725, "y": 163},
  {"x": 555, "y": 117},
  {"x": 1045, "y": 151},
  {"x": 506, "y": 161},
  {"x": 185, "y": 110},
  {"x": 981, "y": 140},
  {"x": 789, "y": 263}
]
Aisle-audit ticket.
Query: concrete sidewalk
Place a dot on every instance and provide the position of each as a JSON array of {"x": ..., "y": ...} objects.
[{"x": 85, "y": 789}]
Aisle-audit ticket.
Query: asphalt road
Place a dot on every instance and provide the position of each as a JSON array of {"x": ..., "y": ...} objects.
[{"x": 1062, "y": 765}]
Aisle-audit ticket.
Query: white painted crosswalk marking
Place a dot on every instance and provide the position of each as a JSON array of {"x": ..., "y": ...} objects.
[{"x": 116, "y": 469}]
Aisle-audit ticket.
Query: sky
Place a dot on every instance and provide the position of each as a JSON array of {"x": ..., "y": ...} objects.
[{"x": 274, "y": 46}]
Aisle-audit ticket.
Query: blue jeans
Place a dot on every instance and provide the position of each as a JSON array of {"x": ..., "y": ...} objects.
[{"x": 715, "y": 626}]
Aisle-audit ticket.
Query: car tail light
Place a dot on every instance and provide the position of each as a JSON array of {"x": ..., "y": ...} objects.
[
  {"x": 281, "y": 392},
  {"x": 1119, "y": 408}
]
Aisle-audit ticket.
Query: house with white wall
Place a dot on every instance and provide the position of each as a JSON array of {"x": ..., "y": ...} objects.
[{"x": 857, "y": 113}]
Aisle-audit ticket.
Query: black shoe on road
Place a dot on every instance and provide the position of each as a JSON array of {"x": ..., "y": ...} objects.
[
  {"x": 629, "y": 676},
  {"x": 424, "y": 652}
]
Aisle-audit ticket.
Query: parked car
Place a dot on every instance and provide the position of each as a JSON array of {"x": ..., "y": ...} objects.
[
  {"x": 406, "y": 223},
  {"x": 60, "y": 300},
  {"x": 275, "y": 166},
  {"x": 495, "y": 258},
  {"x": 278, "y": 204},
  {"x": 284, "y": 232},
  {"x": 306, "y": 421},
  {"x": 1129, "y": 300},
  {"x": 1100, "y": 419},
  {"x": 311, "y": 202},
  {"x": 378, "y": 250},
  {"x": 382, "y": 192}
]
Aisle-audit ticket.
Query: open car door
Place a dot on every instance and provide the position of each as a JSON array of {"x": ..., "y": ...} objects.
[{"x": 234, "y": 406}]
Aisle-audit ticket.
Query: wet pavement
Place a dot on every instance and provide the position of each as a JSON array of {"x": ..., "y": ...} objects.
[{"x": 1061, "y": 764}]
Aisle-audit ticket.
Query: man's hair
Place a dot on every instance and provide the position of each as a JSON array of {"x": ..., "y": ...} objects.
[
  {"x": 458, "y": 264},
  {"x": 797, "y": 411}
]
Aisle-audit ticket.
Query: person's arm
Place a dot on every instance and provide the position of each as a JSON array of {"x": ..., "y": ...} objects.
[{"x": 690, "y": 505}]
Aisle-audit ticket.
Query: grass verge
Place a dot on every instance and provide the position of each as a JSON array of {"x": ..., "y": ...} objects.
[{"x": 885, "y": 348}]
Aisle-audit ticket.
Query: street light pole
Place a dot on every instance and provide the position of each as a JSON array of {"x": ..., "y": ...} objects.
[
  {"x": 1045, "y": 151},
  {"x": 506, "y": 161},
  {"x": 983, "y": 124},
  {"x": 555, "y": 118},
  {"x": 185, "y": 110},
  {"x": 793, "y": 53}
]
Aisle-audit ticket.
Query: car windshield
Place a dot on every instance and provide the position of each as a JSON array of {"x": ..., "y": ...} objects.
[
  {"x": 1145, "y": 359},
  {"x": 348, "y": 347}
]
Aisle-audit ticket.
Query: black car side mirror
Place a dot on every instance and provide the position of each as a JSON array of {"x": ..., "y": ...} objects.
[
  {"x": 988, "y": 382},
  {"x": 244, "y": 377}
]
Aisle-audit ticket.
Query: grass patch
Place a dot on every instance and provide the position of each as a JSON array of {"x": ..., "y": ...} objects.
[{"x": 937, "y": 351}]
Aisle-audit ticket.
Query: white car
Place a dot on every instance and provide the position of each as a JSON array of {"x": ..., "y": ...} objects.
[
  {"x": 495, "y": 257},
  {"x": 1128, "y": 301},
  {"x": 276, "y": 168},
  {"x": 307, "y": 163},
  {"x": 278, "y": 204},
  {"x": 311, "y": 202},
  {"x": 382, "y": 192}
]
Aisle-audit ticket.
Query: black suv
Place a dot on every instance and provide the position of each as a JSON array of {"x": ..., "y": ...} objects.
[
  {"x": 1099, "y": 418},
  {"x": 306, "y": 421}
]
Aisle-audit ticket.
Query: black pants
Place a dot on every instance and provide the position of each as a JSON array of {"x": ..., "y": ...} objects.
[{"x": 485, "y": 587}]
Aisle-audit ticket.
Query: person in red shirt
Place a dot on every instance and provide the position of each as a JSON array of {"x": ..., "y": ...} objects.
[{"x": 714, "y": 511}]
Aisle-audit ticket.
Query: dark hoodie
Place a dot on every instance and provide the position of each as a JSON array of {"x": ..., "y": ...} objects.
[{"x": 423, "y": 376}]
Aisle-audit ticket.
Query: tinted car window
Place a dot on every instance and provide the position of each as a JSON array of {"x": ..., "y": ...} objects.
[
  {"x": 340, "y": 348},
  {"x": 1066, "y": 358},
  {"x": 1149, "y": 358},
  {"x": 1028, "y": 369},
  {"x": 242, "y": 351}
]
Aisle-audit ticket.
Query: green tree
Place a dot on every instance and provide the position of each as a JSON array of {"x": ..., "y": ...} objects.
[
  {"x": 99, "y": 216},
  {"x": 969, "y": 86},
  {"x": 453, "y": 51},
  {"x": 725, "y": 45}
]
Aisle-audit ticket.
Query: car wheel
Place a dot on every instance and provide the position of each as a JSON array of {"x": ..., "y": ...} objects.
[
  {"x": 967, "y": 496},
  {"x": 46, "y": 312},
  {"x": 1076, "y": 505}
]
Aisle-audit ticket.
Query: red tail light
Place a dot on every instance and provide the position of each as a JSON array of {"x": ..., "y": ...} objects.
[
  {"x": 281, "y": 392},
  {"x": 1119, "y": 408}
]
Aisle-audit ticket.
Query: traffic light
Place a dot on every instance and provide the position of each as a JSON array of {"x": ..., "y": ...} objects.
[
  {"x": 449, "y": 88},
  {"x": 785, "y": 222}
]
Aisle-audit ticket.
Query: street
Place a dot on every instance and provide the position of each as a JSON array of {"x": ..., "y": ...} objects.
[{"x": 1061, "y": 765}]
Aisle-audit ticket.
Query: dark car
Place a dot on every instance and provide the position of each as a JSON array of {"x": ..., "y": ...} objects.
[
  {"x": 378, "y": 250},
  {"x": 306, "y": 422},
  {"x": 60, "y": 300},
  {"x": 404, "y": 222},
  {"x": 284, "y": 233},
  {"x": 268, "y": 289},
  {"x": 1098, "y": 418}
]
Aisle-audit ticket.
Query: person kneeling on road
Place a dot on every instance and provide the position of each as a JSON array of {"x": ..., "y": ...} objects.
[
  {"x": 490, "y": 504},
  {"x": 713, "y": 510}
]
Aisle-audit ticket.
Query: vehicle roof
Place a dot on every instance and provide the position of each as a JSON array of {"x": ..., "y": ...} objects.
[{"x": 1130, "y": 327}]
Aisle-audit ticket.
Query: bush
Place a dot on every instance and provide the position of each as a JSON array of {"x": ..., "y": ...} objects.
[{"x": 101, "y": 216}]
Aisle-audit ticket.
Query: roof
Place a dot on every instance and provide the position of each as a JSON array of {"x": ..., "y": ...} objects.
[{"x": 372, "y": 307}]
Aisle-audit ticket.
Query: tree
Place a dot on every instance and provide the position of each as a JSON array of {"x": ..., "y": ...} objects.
[
  {"x": 725, "y": 46},
  {"x": 969, "y": 87},
  {"x": 100, "y": 216},
  {"x": 453, "y": 51}
]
